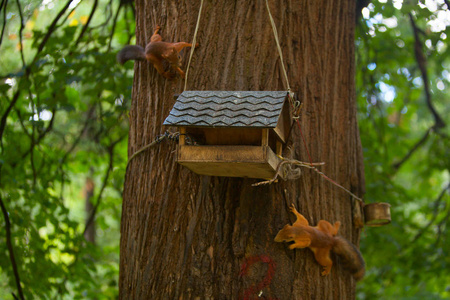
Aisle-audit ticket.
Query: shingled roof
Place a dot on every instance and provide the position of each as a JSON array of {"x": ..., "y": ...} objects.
[{"x": 227, "y": 109}]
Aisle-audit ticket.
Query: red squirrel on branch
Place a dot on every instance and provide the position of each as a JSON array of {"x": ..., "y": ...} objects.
[
  {"x": 156, "y": 52},
  {"x": 322, "y": 239}
]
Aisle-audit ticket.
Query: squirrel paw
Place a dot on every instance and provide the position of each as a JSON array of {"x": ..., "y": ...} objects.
[
  {"x": 292, "y": 207},
  {"x": 325, "y": 271}
]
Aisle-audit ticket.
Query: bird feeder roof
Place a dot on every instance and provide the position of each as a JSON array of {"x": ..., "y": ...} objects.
[{"x": 260, "y": 109}]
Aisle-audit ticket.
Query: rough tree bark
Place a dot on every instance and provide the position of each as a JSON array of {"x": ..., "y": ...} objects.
[{"x": 186, "y": 236}]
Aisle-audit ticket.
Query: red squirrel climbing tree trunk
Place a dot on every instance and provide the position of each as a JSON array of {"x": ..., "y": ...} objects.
[{"x": 186, "y": 236}]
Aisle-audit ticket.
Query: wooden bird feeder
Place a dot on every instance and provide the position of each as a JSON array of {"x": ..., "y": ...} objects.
[
  {"x": 377, "y": 214},
  {"x": 237, "y": 134}
]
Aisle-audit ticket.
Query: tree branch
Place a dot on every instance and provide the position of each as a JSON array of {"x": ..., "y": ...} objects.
[
  {"x": 51, "y": 29},
  {"x": 439, "y": 227},
  {"x": 397, "y": 165},
  {"x": 10, "y": 247},
  {"x": 448, "y": 4},
  {"x": 42, "y": 134},
  {"x": 77, "y": 140},
  {"x": 421, "y": 61},
  {"x": 4, "y": 2},
  {"x": 104, "y": 184},
  {"x": 108, "y": 14},
  {"x": 436, "y": 210},
  {"x": 6, "y": 113},
  {"x": 114, "y": 26},
  {"x": 22, "y": 26},
  {"x": 85, "y": 27}
]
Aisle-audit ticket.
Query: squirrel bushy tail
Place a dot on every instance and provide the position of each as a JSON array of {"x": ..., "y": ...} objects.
[
  {"x": 131, "y": 52},
  {"x": 353, "y": 259}
]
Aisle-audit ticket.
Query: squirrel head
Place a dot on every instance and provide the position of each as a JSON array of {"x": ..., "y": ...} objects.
[{"x": 285, "y": 235}]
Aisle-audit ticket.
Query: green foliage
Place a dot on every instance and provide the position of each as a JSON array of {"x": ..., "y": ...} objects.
[
  {"x": 406, "y": 154},
  {"x": 65, "y": 106}
]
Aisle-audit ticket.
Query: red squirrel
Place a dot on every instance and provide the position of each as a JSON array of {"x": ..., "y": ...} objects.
[
  {"x": 155, "y": 52},
  {"x": 322, "y": 239}
]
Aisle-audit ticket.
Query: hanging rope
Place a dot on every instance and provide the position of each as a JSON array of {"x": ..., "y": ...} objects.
[
  {"x": 166, "y": 135},
  {"x": 277, "y": 40},
  {"x": 281, "y": 170},
  {"x": 295, "y": 105},
  {"x": 309, "y": 165},
  {"x": 296, "y": 108},
  {"x": 194, "y": 41}
]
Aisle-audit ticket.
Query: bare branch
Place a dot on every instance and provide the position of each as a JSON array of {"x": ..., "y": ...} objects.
[
  {"x": 439, "y": 227},
  {"x": 436, "y": 210},
  {"x": 5, "y": 3},
  {"x": 51, "y": 29},
  {"x": 114, "y": 26},
  {"x": 22, "y": 26},
  {"x": 448, "y": 4},
  {"x": 104, "y": 184},
  {"x": 421, "y": 61},
  {"x": 397, "y": 165},
  {"x": 10, "y": 247},
  {"x": 85, "y": 27},
  {"x": 108, "y": 15},
  {"x": 6, "y": 113},
  {"x": 77, "y": 140},
  {"x": 70, "y": 13}
]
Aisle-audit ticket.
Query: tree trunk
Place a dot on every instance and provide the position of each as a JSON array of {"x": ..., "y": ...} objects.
[
  {"x": 186, "y": 236},
  {"x": 90, "y": 232}
]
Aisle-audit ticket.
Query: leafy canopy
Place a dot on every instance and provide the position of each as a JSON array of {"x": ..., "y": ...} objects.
[{"x": 402, "y": 90}]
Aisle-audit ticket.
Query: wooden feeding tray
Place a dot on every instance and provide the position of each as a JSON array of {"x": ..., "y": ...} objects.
[
  {"x": 377, "y": 214},
  {"x": 231, "y": 133}
]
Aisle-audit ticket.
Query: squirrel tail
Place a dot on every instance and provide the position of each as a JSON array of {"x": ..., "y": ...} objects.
[
  {"x": 351, "y": 255},
  {"x": 130, "y": 52}
]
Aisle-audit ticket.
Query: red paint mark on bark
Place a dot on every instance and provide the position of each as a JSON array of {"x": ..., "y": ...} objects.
[{"x": 252, "y": 291}]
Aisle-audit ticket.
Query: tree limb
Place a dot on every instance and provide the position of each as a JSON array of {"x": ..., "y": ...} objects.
[
  {"x": 421, "y": 61},
  {"x": 85, "y": 27},
  {"x": 448, "y": 4},
  {"x": 397, "y": 165},
  {"x": 51, "y": 29},
  {"x": 436, "y": 210},
  {"x": 439, "y": 227},
  {"x": 22, "y": 26},
  {"x": 108, "y": 15},
  {"x": 10, "y": 247},
  {"x": 4, "y": 2},
  {"x": 42, "y": 134},
  {"x": 77, "y": 140},
  {"x": 104, "y": 184},
  {"x": 6, "y": 113},
  {"x": 114, "y": 26}
]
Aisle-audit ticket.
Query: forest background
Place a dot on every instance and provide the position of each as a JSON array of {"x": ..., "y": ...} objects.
[{"x": 64, "y": 102}]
